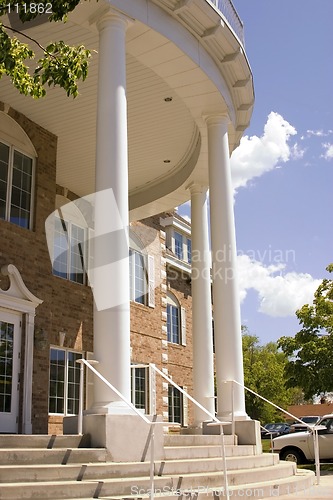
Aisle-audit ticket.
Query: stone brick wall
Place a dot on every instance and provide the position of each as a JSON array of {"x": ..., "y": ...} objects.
[{"x": 68, "y": 306}]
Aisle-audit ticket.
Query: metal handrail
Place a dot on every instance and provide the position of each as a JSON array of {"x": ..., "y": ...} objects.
[
  {"x": 83, "y": 362},
  {"x": 271, "y": 437},
  {"x": 216, "y": 421},
  {"x": 312, "y": 429}
]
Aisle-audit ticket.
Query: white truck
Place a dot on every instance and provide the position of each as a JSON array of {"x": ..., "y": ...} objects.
[{"x": 299, "y": 447}]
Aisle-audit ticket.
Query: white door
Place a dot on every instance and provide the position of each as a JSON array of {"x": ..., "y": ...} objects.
[{"x": 10, "y": 347}]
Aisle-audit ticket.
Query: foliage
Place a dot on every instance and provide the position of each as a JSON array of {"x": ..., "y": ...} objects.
[
  {"x": 311, "y": 350},
  {"x": 60, "y": 64},
  {"x": 264, "y": 373}
]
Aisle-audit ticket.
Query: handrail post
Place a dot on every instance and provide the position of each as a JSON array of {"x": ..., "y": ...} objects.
[
  {"x": 81, "y": 387},
  {"x": 313, "y": 430},
  {"x": 233, "y": 423},
  {"x": 224, "y": 461},
  {"x": 152, "y": 461},
  {"x": 316, "y": 452},
  {"x": 152, "y": 389}
]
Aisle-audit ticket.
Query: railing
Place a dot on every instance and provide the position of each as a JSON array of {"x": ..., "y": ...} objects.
[
  {"x": 227, "y": 8},
  {"x": 311, "y": 428},
  {"x": 215, "y": 421},
  {"x": 152, "y": 370}
]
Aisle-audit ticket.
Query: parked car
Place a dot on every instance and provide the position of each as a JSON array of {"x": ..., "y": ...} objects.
[
  {"x": 274, "y": 430},
  {"x": 298, "y": 446},
  {"x": 310, "y": 420}
]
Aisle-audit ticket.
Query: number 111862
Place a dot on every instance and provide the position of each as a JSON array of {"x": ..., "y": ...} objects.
[{"x": 30, "y": 8}]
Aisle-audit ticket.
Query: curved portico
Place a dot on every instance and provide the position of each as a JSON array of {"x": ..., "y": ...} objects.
[{"x": 162, "y": 75}]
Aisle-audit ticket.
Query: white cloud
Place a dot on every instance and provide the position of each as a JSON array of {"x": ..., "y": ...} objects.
[
  {"x": 279, "y": 294},
  {"x": 317, "y": 133},
  {"x": 257, "y": 155},
  {"x": 328, "y": 155},
  {"x": 297, "y": 152}
]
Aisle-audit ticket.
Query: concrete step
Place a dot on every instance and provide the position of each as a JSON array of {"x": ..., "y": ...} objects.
[
  {"x": 172, "y": 486},
  {"x": 60, "y": 456},
  {"x": 210, "y": 451},
  {"x": 197, "y": 440},
  {"x": 43, "y": 441},
  {"x": 99, "y": 471},
  {"x": 298, "y": 484}
]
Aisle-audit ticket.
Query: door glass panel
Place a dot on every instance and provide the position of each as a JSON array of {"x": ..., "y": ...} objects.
[{"x": 6, "y": 365}]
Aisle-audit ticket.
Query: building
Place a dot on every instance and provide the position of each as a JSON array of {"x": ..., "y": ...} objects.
[{"x": 168, "y": 97}]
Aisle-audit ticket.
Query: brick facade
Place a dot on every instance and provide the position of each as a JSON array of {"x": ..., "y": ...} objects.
[{"x": 68, "y": 306}]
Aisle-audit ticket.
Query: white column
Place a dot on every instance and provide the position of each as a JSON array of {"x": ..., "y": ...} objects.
[
  {"x": 203, "y": 362},
  {"x": 226, "y": 304},
  {"x": 111, "y": 324}
]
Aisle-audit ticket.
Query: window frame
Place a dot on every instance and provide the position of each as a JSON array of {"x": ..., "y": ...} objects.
[
  {"x": 65, "y": 397},
  {"x": 173, "y": 302},
  {"x": 171, "y": 414},
  {"x": 8, "y": 204},
  {"x": 69, "y": 225},
  {"x": 180, "y": 243},
  {"x": 133, "y": 252},
  {"x": 186, "y": 255},
  {"x": 134, "y": 388},
  {"x": 171, "y": 335}
]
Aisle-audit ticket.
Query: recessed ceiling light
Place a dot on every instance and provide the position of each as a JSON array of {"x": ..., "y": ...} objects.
[
  {"x": 166, "y": 161},
  {"x": 168, "y": 99}
]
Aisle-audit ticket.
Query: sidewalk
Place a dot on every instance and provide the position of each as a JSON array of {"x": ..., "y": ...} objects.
[{"x": 323, "y": 491}]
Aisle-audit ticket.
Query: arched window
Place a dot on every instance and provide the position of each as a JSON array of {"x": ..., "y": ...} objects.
[
  {"x": 142, "y": 270},
  {"x": 17, "y": 173},
  {"x": 69, "y": 243},
  {"x": 138, "y": 277},
  {"x": 176, "y": 321}
]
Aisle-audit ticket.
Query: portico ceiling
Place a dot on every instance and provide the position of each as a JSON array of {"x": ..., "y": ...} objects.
[{"x": 167, "y": 94}]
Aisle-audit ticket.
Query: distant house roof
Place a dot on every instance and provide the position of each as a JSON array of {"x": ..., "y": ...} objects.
[{"x": 304, "y": 410}]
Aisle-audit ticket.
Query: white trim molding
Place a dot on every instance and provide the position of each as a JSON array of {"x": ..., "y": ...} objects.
[{"x": 18, "y": 298}]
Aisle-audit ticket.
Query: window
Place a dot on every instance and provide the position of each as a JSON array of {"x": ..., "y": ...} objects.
[
  {"x": 178, "y": 245},
  {"x": 16, "y": 185},
  {"x": 189, "y": 250},
  {"x": 176, "y": 321},
  {"x": 182, "y": 247},
  {"x": 173, "y": 329},
  {"x": 175, "y": 403},
  {"x": 69, "y": 251},
  {"x": 64, "y": 384},
  {"x": 138, "y": 277},
  {"x": 139, "y": 387}
]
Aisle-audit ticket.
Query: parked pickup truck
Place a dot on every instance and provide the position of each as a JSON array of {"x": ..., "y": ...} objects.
[{"x": 298, "y": 447}]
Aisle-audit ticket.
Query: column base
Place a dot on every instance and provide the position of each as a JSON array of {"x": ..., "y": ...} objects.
[
  {"x": 127, "y": 438},
  {"x": 247, "y": 432},
  {"x": 195, "y": 430},
  {"x": 110, "y": 408},
  {"x": 227, "y": 416}
]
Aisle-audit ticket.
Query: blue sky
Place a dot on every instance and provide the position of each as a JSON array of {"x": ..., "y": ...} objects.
[{"x": 283, "y": 168}]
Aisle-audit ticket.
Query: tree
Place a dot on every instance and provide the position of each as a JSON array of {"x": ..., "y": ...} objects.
[
  {"x": 310, "y": 352},
  {"x": 264, "y": 373},
  {"x": 59, "y": 64}
]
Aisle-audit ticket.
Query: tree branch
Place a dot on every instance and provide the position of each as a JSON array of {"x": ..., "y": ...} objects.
[{"x": 32, "y": 40}]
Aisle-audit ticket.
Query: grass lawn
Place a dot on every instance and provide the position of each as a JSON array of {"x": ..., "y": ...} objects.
[{"x": 266, "y": 443}]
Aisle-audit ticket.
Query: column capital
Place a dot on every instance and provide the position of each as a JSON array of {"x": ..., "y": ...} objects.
[
  {"x": 217, "y": 119},
  {"x": 113, "y": 17},
  {"x": 197, "y": 188}
]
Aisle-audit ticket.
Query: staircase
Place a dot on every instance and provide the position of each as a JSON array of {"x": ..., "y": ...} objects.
[{"x": 65, "y": 467}]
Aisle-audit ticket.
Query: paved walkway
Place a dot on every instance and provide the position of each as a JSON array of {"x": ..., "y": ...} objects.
[{"x": 323, "y": 491}]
